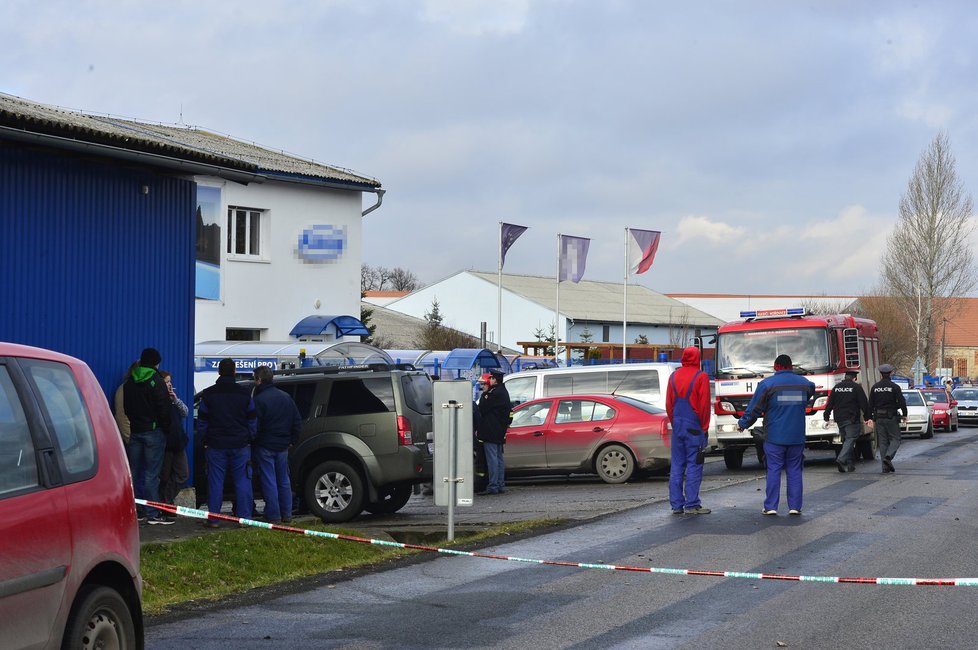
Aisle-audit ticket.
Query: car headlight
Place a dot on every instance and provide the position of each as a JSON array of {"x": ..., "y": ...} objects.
[
  {"x": 821, "y": 402},
  {"x": 728, "y": 406}
]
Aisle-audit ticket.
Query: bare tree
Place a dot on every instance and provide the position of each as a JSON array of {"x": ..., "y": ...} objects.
[
  {"x": 897, "y": 340},
  {"x": 381, "y": 278},
  {"x": 825, "y": 307},
  {"x": 403, "y": 280},
  {"x": 928, "y": 260},
  {"x": 679, "y": 327}
]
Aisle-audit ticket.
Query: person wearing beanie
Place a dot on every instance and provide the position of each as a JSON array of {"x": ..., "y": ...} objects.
[
  {"x": 146, "y": 403},
  {"x": 848, "y": 401},
  {"x": 782, "y": 399},
  {"x": 888, "y": 407},
  {"x": 688, "y": 408}
]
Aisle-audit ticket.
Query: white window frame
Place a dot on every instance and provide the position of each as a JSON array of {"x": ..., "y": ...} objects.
[{"x": 250, "y": 215}]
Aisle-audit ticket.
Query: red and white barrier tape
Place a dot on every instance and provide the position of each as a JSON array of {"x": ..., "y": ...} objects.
[{"x": 914, "y": 582}]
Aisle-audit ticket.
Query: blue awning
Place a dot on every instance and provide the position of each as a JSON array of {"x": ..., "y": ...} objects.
[
  {"x": 317, "y": 325},
  {"x": 468, "y": 358}
]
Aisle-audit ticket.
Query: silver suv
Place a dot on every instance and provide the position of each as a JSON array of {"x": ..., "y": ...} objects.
[{"x": 364, "y": 437}]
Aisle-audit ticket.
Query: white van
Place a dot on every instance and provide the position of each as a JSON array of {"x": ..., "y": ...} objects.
[{"x": 644, "y": 381}]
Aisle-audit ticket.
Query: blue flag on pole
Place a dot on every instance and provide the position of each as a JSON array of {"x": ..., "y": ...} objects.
[
  {"x": 508, "y": 234},
  {"x": 573, "y": 256}
]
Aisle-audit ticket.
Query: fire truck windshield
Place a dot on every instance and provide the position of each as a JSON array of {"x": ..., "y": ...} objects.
[{"x": 748, "y": 352}]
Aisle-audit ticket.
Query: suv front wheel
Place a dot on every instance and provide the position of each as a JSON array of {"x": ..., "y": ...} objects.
[{"x": 334, "y": 492}]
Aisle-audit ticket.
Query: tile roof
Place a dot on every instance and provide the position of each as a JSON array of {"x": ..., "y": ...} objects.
[
  {"x": 962, "y": 326},
  {"x": 180, "y": 142}
]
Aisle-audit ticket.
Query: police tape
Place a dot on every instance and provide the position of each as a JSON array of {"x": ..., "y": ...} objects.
[{"x": 912, "y": 582}]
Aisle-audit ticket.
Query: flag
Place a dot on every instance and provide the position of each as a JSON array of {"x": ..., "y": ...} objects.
[
  {"x": 642, "y": 246},
  {"x": 573, "y": 255},
  {"x": 508, "y": 234}
]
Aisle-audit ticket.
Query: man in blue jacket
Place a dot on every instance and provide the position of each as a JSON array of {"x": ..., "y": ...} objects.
[
  {"x": 781, "y": 399},
  {"x": 227, "y": 422},
  {"x": 279, "y": 426}
]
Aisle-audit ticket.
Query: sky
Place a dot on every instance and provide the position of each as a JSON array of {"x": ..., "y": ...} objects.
[{"x": 769, "y": 141}]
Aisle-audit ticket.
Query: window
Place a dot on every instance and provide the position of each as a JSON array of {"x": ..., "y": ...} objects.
[
  {"x": 18, "y": 467},
  {"x": 417, "y": 393},
  {"x": 521, "y": 389},
  {"x": 360, "y": 397},
  {"x": 66, "y": 416},
  {"x": 240, "y": 334},
  {"x": 605, "y": 333},
  {"x": 531, "y": 416},
  {"x": 582, "y": 411},
  {"x": 245, "y": 226}
]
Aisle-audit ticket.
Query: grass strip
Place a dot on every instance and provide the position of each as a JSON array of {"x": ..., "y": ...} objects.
[{"x": 226, "y": 562}]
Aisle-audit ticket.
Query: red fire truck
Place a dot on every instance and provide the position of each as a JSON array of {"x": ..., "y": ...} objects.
[{"x": 821, "y": 347}]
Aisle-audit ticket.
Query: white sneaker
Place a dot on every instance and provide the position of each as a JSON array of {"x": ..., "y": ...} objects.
[
  {"x": 794, "y": 512},
  {"x": 769, "y": 512}
]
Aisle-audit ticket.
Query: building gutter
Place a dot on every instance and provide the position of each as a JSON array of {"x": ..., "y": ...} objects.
[
  {"x": 119, "y": 153},
  {"x": 380, "y": 199}
]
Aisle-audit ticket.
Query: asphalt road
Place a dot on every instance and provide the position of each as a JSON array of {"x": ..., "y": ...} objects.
[{"x": 918, "y": 522}]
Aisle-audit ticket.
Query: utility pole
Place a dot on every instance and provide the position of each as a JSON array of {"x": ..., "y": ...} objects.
[{"x": 943, "y": 334}]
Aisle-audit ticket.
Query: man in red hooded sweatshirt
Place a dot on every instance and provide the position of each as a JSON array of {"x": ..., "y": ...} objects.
[{"x": 688, "y": 407}]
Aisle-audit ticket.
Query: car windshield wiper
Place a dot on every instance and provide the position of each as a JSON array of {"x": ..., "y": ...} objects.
[{"x": 802, "y": 370}]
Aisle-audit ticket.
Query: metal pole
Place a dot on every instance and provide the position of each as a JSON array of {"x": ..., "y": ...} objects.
[
  {"x": 499, "y": 293},
  {"x": 624, "y": 307},
  {"x": 452, "y": 477}
]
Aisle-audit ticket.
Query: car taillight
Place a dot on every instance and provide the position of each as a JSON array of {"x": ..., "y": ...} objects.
[{"x": 404, "y": 436}]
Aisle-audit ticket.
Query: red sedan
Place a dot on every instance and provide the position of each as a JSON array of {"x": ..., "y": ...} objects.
[
  {"x": 611, "y": 436},
  {"x": 943, "y": 409}
]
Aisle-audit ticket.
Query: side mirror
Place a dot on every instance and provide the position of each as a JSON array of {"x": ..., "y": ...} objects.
[
  {"x": 954, "y": 402},
  {"x": 930, "y": 403}
]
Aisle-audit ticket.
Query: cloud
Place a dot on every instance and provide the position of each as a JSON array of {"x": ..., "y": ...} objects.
[{"x": 701, "y": 229}]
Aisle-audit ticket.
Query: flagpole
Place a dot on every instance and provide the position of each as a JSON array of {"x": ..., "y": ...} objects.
[
  {"x": 499, "y": 293},
  {"x": 624, "y": 307},
  {"x": 557, "y": 301}
]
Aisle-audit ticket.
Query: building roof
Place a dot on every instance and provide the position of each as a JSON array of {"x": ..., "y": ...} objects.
[
  {"x": 394, "y": 330},
  {"x": 602, "y": 301},
  {"x": 20, "y": 116},
  {"x": 962, "y": 327}
]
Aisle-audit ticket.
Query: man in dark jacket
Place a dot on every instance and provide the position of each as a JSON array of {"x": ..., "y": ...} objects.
[
  {"x": 688, "y": 408},
  {"x": 782, "y": 399},
  {"x": 494, "y": 408},
  {"x": 226, "y": 422},
  {"x": 848, "y": 401},
  {"x": 279, "y": 426},
  {"x": 147, "y": 406},
  {"x": 887, "y": 406}
]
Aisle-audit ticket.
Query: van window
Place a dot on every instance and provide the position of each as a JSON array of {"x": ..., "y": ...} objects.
[
  {"x": 640, "y": 384},
  {"x": 18, "y": 467},
  {"x": 521, "y": 389}
]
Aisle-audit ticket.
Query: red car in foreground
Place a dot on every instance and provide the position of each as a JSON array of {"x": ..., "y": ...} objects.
[
  {"x": 611, "y": 436},
  {"x": 69, "y": 555}
]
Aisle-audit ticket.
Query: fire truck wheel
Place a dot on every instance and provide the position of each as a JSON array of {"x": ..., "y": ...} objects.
[{"x": 734, "y": 458}]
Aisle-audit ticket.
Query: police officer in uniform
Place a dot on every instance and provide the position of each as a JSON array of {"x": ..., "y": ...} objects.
[
  {"x": 848, "y": 401},
  {"x": 888, "y": 407}
]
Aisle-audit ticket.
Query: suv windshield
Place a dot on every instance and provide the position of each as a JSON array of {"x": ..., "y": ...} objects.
[{"x": 755, "y": 351}]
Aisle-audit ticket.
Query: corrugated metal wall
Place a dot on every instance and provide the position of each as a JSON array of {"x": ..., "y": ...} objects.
[{"x": 93, "y": 265}]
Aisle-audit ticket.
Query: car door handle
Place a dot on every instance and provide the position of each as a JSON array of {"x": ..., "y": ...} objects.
[
  {"x": 537, "y": 434},
  {"x": 597, "y": 429}
]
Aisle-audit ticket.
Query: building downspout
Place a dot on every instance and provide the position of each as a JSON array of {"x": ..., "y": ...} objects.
[{"x": 380, "y": 199}]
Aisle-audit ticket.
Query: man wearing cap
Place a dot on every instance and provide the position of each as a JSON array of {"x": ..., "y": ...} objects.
[
  {"x": 848, "y": 401},
  {"x": 494, "y": 409},
  {"x": 782, "y": 399},
  {"x": 888, "y": 408},
  {"x": 146, "y": 402}
]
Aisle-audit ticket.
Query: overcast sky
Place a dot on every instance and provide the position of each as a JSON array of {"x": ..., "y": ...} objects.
[{"x": 769, "y": 141}]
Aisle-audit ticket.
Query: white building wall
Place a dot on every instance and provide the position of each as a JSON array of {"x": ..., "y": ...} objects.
[
  {"x": 276, "y": 293},
  {"x": 466, "y": 301}
]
